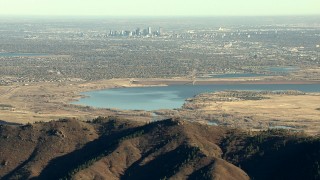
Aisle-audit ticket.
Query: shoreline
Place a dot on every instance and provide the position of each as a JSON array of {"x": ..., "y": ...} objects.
[
  {"x": 50, "y": 101},
  {"x": 229, "y": 81},
  {"x": 153, "y": 82},
  {"x": 53, "y": 101}
]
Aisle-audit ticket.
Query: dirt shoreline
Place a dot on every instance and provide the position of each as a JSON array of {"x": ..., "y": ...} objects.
[{"x": 208, "y": 82}]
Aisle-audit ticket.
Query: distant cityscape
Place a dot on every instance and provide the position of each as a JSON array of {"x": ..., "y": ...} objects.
[
  {"x": 138, "y": 32},
  {"x": 86, "y": 51}
]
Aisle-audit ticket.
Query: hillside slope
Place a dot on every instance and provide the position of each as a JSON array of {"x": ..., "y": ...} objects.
[{"x": 111, "y": 148}]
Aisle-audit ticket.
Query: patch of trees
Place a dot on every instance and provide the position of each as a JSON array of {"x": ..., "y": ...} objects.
[{"x": 275, "y": 154}]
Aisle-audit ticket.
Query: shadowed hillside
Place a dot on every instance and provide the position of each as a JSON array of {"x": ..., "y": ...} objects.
[{"x": 111, "y": 148}]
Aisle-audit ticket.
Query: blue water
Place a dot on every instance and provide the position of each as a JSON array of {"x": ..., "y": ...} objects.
[
  {"x": 171, "y": 97},
  {"x": 212, "y": 123},
  {"x": 281, "y": 127},
  {"x": 21, "y": 54},
  {"x": 276, "y": 70},
  {"x": 282, "y": 69},
  {"x": 236, "y": 75}
]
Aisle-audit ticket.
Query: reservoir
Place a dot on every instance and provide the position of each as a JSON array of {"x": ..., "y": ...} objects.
[
  {"x": 269, "y": 70},
  {"x": 22, "y": 54},
  {"x": 173, "y": 96},
  {"x": 282, "y": 69},
  {"x": 237, "y": 75}
]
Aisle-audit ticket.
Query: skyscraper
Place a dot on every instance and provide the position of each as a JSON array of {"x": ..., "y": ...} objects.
[
  {"x": 149, "y": 30},
  {"x": 145, "y": 32},
  {"x": 138, "y": 33},
  {"x": 160, "y": 31}
]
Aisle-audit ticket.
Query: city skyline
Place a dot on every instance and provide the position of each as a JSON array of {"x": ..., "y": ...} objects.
[{"x": 158, "y": 8}]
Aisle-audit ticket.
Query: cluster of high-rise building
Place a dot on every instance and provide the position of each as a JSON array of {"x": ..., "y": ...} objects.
[{"x": 138, "y": 32}]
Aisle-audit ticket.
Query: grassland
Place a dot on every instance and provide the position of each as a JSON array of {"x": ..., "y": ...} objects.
[{"x": 296, "y": 111}]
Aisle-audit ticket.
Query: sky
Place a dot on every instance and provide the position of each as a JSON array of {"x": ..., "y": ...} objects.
[{"x": 159, "y": 7}]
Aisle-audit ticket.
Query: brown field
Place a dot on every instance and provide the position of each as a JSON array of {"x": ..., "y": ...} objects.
[{"x": 299, "y": 112}]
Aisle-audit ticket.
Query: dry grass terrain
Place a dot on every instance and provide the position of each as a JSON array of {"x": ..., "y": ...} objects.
[{"x": 297, "y": 111}]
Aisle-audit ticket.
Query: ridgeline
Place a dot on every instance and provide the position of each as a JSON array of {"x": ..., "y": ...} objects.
[{"x": 113, "y": 148}]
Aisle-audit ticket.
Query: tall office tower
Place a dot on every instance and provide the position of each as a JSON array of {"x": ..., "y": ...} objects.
[
  {"x": 145, "y": 32},
  {"x": 138, "y": 33},
  {"x": 128, "y": 33},
  {"x": 160, "y": 31},
  {"x": 149, "y": 30},
  {"x": 122, "y": 33}
]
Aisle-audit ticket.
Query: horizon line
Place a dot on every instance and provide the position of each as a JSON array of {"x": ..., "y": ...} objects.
[{"x": 160, "y": 16}]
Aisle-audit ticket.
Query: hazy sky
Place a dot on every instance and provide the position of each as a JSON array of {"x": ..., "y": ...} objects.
[{"x": 160, "y": 7}]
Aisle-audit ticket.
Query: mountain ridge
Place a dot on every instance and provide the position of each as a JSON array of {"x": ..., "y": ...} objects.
[{"x": 113, "y": 148}]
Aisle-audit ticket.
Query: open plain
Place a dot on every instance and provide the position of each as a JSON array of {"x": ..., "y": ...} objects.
[{"x": 297, "y": 111}]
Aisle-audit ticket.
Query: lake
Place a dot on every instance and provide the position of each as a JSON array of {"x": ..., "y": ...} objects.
[
  {"x": 282, "y": 69},
  {"x": 173, "y": 96},
  {"x": 22, "y": 54},
  {"x": 273, "y": 70},
  {"x": 236, "y": 75}
]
